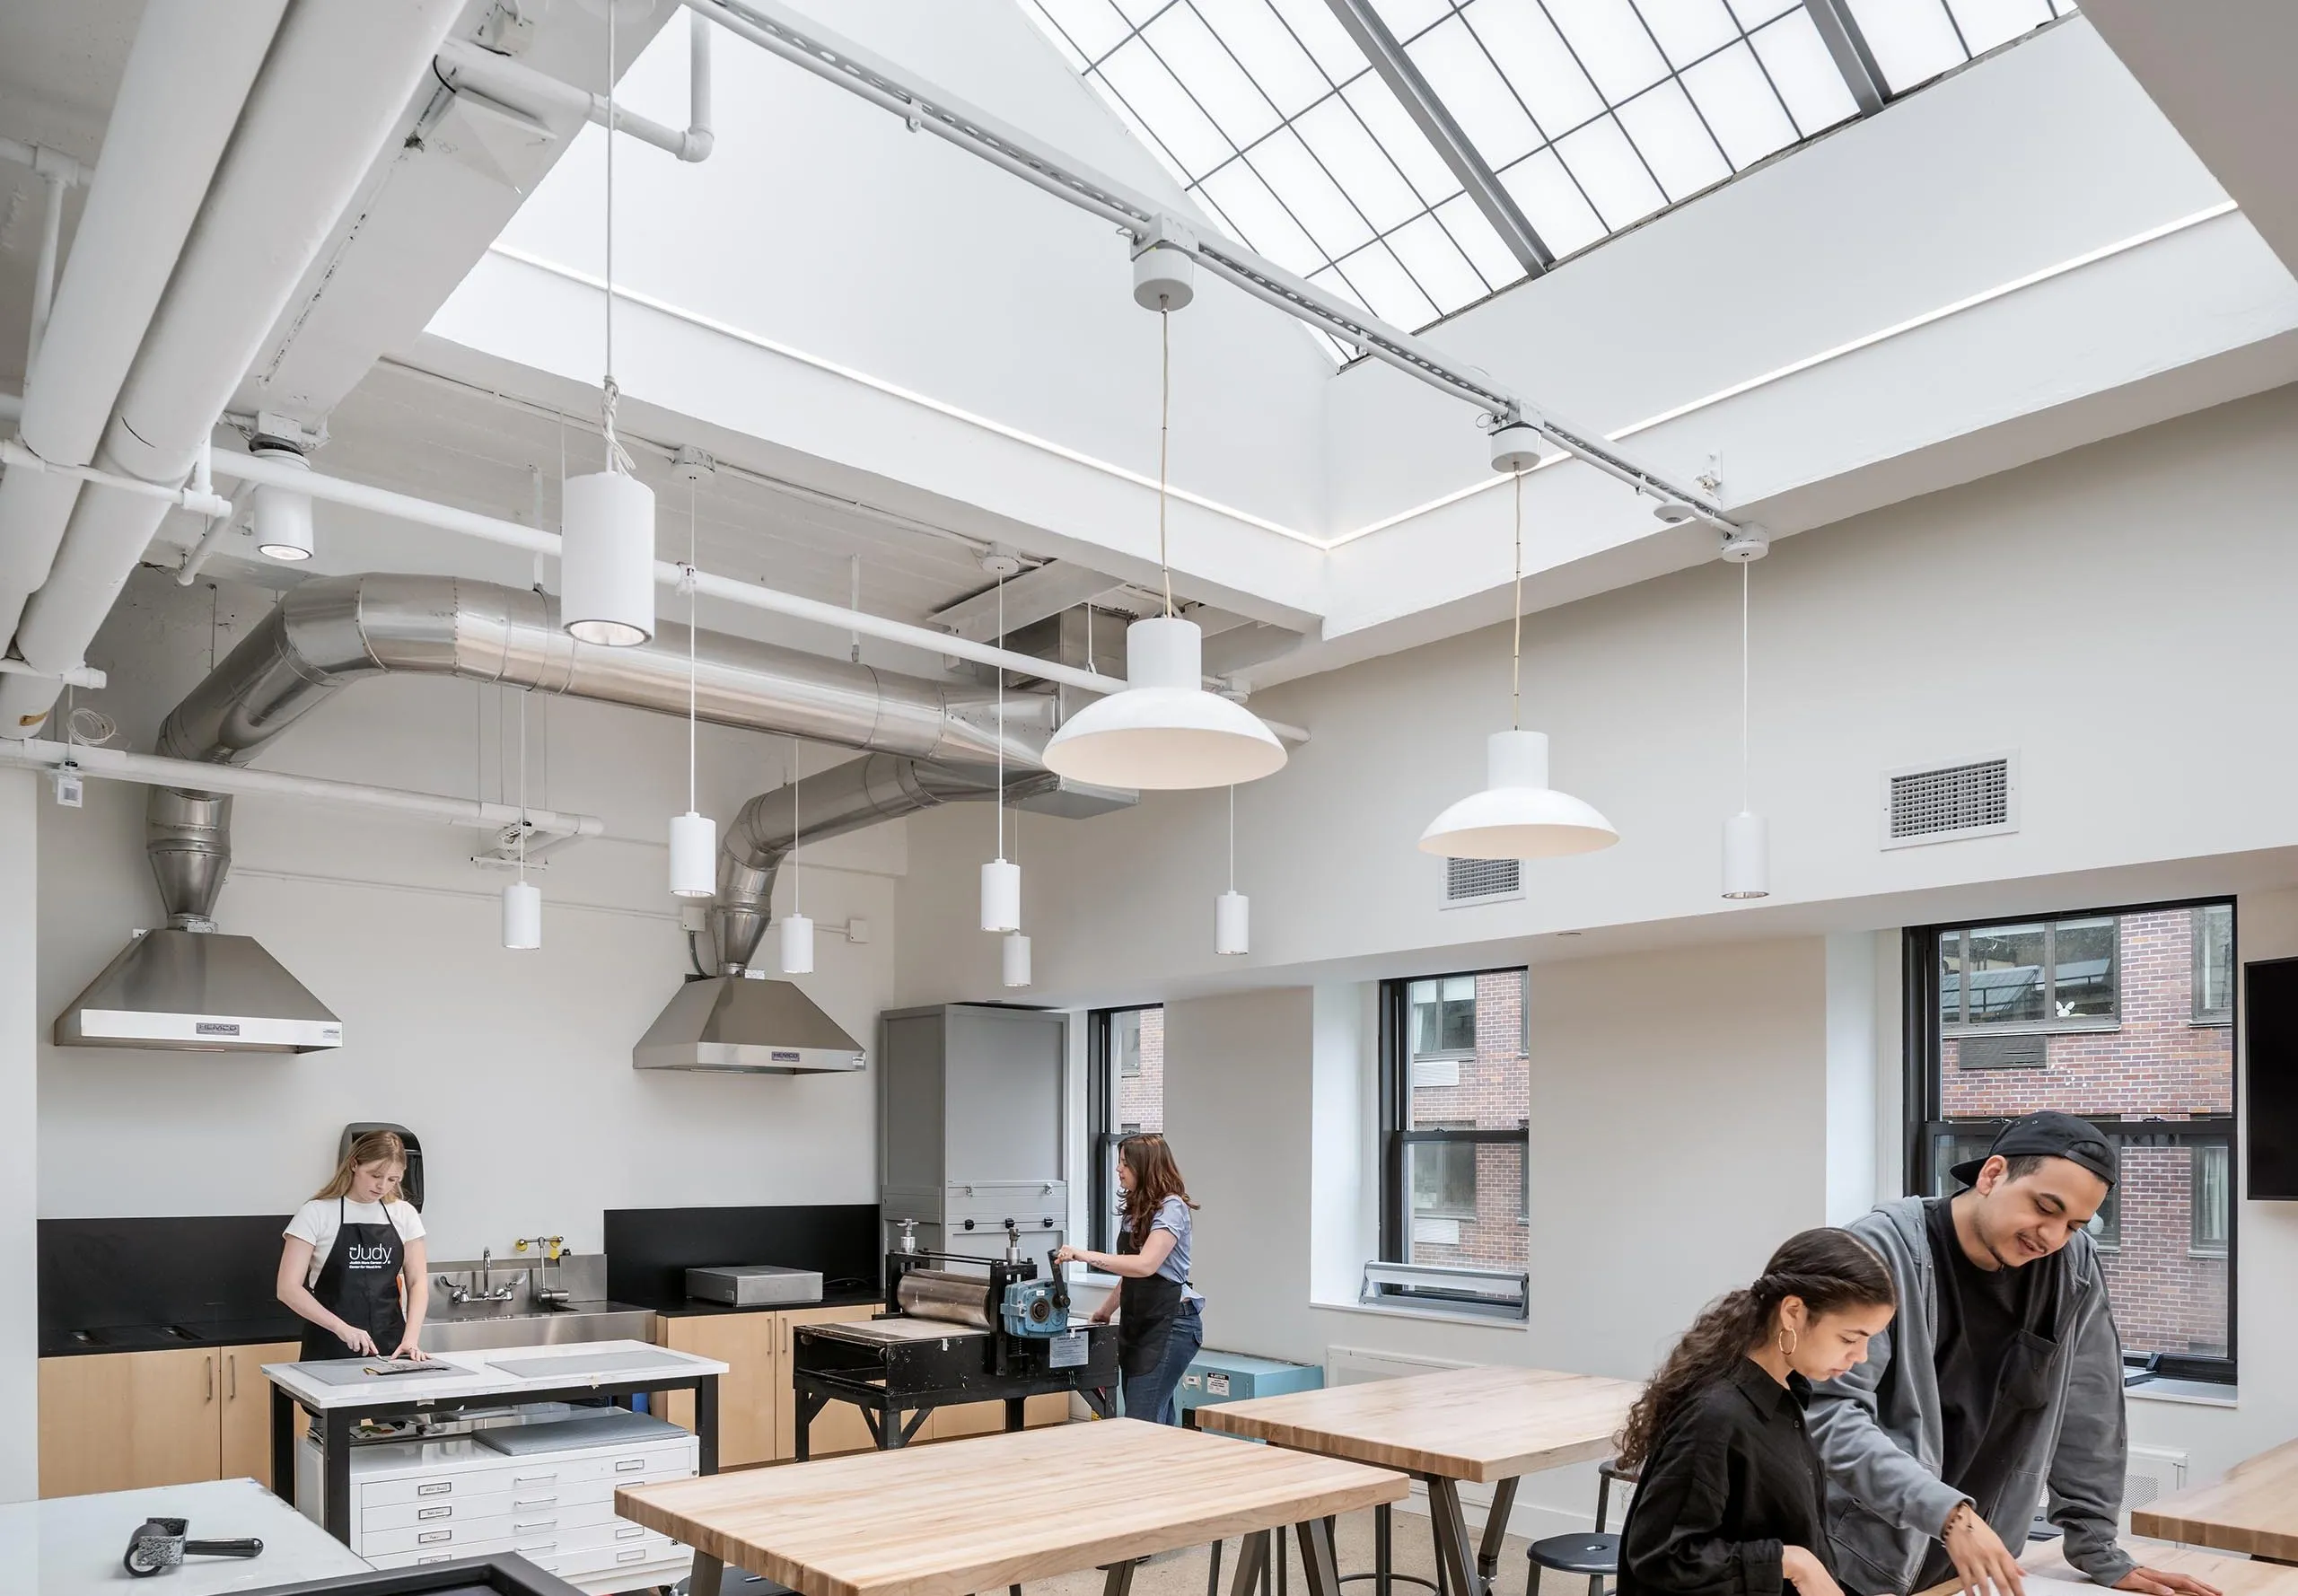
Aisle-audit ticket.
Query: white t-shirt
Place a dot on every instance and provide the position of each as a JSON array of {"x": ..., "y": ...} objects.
[{"x": 318, "y": 1221}]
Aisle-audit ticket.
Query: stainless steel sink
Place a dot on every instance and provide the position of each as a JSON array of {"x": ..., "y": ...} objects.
[{"x": 485, "y": 1327}]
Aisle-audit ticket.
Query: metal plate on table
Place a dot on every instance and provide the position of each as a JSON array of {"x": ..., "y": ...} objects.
[
  {"x": 364, "y": 1371},
  {"x": 880, "y": 1332},
  {"x": 595, "y": 1362},
  {"x": 614, "y": 1427}
]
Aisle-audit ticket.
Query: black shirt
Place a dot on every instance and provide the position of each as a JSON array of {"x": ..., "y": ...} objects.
[
  {"x": 1990, "y": 1351},
  {"x": 1731, "y": 1481}
]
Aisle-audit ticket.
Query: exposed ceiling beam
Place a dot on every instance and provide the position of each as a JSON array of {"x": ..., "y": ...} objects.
[
  {"x": 1839, "y": 30},
  {"x": 1397, "y": 70},
  {"x": 1031, "y": 596}
]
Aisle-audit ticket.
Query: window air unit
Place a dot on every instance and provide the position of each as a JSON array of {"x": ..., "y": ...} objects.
[
  {"x": 1497, "y": 1293},
  {"x": 1482, "y": 881},
  {"x": 1948, "y": 802}
]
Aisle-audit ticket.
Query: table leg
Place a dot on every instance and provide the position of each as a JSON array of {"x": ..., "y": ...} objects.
[
  {"x": 706, "y": 1421},
  {"x": 1252, "y": 1564},
  {"x": 1495, "y": 1530},
  {"x": 336, "y": 1474},
  {"x": 1383, "y": 1547},
  {"x": 1318, "y": 1572},
  {"x": 1119, "y": 1581},
  {"x": 809, "y": 1405},
  {"x": 1212, "y": 1579},
  {"x": 1452, "y": 1536},
  {"x": 283, "y": 1446},
  {"x": 1014, "y": 1414},
  {"x": 710, "y": 1574}
]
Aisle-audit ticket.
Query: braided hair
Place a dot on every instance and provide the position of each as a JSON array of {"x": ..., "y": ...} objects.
[{"x": 1826, "y": 1269}]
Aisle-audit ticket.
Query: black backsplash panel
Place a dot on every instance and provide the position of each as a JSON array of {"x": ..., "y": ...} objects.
[
  {"x": 649, "y": 1250},
  {"x": 108, "y": 1274}
]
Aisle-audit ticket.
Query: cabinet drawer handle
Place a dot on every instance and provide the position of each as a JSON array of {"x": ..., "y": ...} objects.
[
  {"x": 629, "y": 1530},
  {"x": 434, "y": 1536},
  {"x": 435, "y": 1512},
  {"x": 630, "y": 1466},
  {"x": 438, "y": 1557},
  {"x": 520, "y": 1503},
  {"x": 636, "y": 1554},
  {"x": 231, "y": 1367},
  {"x": 208, "y": 1364},
  {"x": 532, "y": 1479},
  {"x": 536, "y": 1551},
  {"x": 439, "y": 1489},
  {"x": 535, "y": 1528}
]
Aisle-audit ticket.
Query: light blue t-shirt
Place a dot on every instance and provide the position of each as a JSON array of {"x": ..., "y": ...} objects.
[{"x": 1173, "y": 1216}]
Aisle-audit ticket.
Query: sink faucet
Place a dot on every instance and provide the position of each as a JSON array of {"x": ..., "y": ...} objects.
[
  {"x": 457, "y": 1292},
  {"x": 487, "y": 1287}
]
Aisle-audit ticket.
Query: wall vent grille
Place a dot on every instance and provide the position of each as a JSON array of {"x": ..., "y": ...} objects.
[
  {"x": 2022, "y": 1052},
  {"x": 2151, "y": 1473},
  {"x": 1948, "y": 802},
  {"x": 1482, "y": 881}
]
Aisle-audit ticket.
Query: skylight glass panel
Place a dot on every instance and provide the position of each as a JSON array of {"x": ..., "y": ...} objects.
[{"x": 1593, "y": 114}]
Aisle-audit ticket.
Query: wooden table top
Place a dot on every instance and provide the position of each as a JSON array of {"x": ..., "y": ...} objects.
[
  {"x": 2237, "y": 1576},
  {"x": 2253, "y": 1509},
  {"x": 1481, "y": 1424},
  {"x": 998, "y": 1510}
]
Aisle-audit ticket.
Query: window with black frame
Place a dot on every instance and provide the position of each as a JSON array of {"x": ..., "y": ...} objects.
[
  {"x": 2126, "y": 1018},
  {"x": 1125, "y": 1093},
  {"x": 1455, "y": 1108}
]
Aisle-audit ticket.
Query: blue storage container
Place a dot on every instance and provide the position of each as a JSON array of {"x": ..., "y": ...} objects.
[{"x": 1213, "y": 1377}]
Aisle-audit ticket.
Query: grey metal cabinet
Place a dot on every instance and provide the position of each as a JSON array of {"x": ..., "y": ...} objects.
[{"x": 973, "y": 1106}]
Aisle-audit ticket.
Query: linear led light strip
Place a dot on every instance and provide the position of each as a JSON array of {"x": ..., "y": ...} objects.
[{"x": 1748, "y": 385}]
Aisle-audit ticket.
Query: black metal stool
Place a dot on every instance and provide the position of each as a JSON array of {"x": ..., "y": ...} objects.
[{"x": 1596, "y": 1554}]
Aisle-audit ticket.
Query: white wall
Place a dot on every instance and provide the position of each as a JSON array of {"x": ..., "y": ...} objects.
[
  {"x": 515, "y": 1068},
  {"x": 21, "y": 791}
]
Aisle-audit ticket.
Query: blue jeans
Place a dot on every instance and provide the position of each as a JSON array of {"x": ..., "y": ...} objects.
[{"x": 1151, "y": 1396}]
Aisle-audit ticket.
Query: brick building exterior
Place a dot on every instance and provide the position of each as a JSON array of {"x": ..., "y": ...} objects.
[
  {"x": 1139, "y": 1100},
  {"x": 1468, "y": 1201},
  {"x": 2163, "y": 1051}
]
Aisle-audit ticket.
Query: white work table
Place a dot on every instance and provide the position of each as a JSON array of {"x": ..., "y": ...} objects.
[
  {"x": 72, "y": 1546},
  {"x": 498, "y": 1376}
]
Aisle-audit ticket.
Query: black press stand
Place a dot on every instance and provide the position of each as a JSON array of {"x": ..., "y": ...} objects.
[{"x": 335, "y": 1426}]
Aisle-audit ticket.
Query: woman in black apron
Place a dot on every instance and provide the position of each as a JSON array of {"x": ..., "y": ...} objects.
[
  {"x": 1159, "y": 1319},
  {"x": 354, "y": 1263}
]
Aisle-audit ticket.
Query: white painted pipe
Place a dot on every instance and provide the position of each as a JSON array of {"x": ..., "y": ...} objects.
[
  {"x": 47, "y": 163},
  {"x": 152, "y": 770},
  {"x": 12, "y": 406},
  {"x": 186, "y": 76},
  {"x": 334, "y": 86},
  {"x": 51, "y": 240},
  {"x": 548, "y": 99},
  {"x": 86, "y": 675},
  {"x": 18, "y": 459},
  {"x": 217, "y": 525}
]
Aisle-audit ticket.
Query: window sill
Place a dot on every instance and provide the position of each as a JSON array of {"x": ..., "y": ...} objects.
[
  {"x": 2192, "y": 1393},
  {"x": 2073, "y": 1025},
  {"x": 1438, "y": 1315}
]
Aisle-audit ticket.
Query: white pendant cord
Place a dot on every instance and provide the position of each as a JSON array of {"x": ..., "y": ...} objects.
[
  {"x": 1516, "y": 645},
  {"x": 1164, "y": 431},
  {"x": 794, "y": 825},
  {"x": 1232, "y": 836},
  {"x": 1000, "y": 670},
  {"x": 691, "y": 807},
  {"x": 523, "y": 787},
  {"x": 608, "y": 392},
  {"x": 1743, "y": 687}
]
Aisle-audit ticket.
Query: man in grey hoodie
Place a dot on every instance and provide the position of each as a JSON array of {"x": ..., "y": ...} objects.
[{"x": 1998, "y": 1385}]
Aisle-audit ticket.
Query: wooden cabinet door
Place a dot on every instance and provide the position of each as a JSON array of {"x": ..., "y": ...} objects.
[
  {"x": 246, "y": 1440},
  {"x": 839, "y": 1427},
  {"x": 750, "y": 1346},
  {"x": 119, "y": 1421}
]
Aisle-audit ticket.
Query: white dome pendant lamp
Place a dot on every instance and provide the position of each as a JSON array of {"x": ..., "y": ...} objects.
[
  {"x": 1013, "y": 947},
  {"x": 694, "y": 836},
  {"x": 1001, "y": 878},
  {"x": 1746, "y": 836},
  {"x": 797, "y": 930},
  {"x": 605, "y": 556},
  {"x": 1517, "y": 815},
  {"x": 522, "y": 900},
  {"x": 1164, "y": 731},
  {"x": 1232, "y": 910}
]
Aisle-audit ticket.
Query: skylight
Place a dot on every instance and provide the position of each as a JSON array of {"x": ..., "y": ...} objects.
[{"x": 1413, "y": 156}]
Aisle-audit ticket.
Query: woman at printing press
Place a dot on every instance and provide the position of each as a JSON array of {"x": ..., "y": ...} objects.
[
  {"x": 354, "y": 1263},
  {"x": 1160, "y": 1318}
]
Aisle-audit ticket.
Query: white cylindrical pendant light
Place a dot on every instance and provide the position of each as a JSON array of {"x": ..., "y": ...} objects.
[
  {"x": 282, "y": 517},
  {"x": 521, "y": 914},
  {"x": 1164, "y": 731},
  {"x": 797, "y": 945},
  {"x": 1231, "y": 923},
  {"x": 606, "y": 562},
  {"x": 693, "y": 855},
  {"x": 1013, "y": 960},
  {"x": 1001, "y": 895},
  {"x": 1746, "y": 856},
  {"x": 1518, "y": 815}
]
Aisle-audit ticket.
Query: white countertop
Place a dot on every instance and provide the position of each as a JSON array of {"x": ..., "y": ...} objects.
[
  {"x": 481, "y": 1376},
  {"x": 69, "y": 1545}
]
